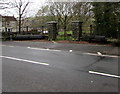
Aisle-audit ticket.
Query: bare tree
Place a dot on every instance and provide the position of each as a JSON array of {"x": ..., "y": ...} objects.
[
  {"x": 43, "y": 11},
  {"x": 82, "y": 11},
  {"x": 63, "y": 12},
  {"x": 21, "y": 7},
  {"x": 4, "y": 4}
]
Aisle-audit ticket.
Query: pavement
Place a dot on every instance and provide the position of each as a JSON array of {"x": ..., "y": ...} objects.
[{"x": 90, "y": 48}]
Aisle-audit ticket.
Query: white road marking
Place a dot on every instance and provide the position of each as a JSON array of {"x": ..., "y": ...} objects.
[
  {"x": 104, "y": 74},
  {"x": 7, "y": 45},
  {"x": 43, "y": 49},
  {"x": 98, "y": 53},
  {"x": 2, "y": 45},
  {"x": 19, "y": 59},
  {"x": 54, "y": 42},
  {"x": 70, "y": 50},
  {"x": 91, "y": 81},
  {"x": 10, "y": 46},
  {"x": 101, "y": 55}
]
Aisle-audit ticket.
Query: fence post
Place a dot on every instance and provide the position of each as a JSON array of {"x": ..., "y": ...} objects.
[
  {"x": 27, "y": 29},
  {"x": 42, "y": 30},
  {"x": 90, "y": 29}
]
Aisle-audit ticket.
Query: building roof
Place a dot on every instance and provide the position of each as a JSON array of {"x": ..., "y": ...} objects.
[{"x": 9, "y": 18}]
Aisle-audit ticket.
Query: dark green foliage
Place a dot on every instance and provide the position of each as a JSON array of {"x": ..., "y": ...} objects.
[
  {"x": 106, "y": 18},
  {"x": 5, "y": 36}
]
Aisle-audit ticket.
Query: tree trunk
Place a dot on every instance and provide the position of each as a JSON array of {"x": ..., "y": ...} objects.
[
  {"x": 65, "y": 33},
  {"x": 19, "y": 23}
]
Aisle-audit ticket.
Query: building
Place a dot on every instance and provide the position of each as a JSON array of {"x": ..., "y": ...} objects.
[{"x": 8, "y": 24}]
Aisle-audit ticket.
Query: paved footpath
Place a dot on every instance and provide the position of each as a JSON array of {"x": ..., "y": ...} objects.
[{"x": 91, "y": 48}]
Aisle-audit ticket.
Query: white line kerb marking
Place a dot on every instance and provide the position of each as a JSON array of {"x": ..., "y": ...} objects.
[
  {"x": 7, "y": 45},
  {"x": 18, "y": 59},
  {"x": 43, "y": 49},
  {"x": 101, "y": 55},
  {"x": 104, "y": 74},
  {"x": 10, "y": 46}
]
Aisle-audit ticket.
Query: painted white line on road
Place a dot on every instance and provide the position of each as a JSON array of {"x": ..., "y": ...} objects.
[
  {"x": 10, "y": 46},
  {"x": 54, "y": 42},
  {"x": 97, "y": 54},
  {"x": 19, "y": 59},
  {"x": 101, "y": 55},
  {"x": 43, "y": 49},
  {"x": 7, "y": 45},
  {"x": 104, "y": 74},
  {"x": 2, "y": 45},
  {"x": 70, "y": 50}
]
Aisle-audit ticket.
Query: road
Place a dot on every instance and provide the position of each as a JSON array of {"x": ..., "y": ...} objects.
[
  {"x": 28, "y": 69},
  {"x": 105, "y": 49}
]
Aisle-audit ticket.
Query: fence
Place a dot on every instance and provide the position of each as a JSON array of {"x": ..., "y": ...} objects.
[{"x": 76, "y": 33}]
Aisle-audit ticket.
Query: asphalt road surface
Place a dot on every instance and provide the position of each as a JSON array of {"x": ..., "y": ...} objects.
[{"x": 27, "y": 69}]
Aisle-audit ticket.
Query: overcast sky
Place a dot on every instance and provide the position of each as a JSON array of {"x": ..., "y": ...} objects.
[
  {"x": 36, "y": 4},
  {"x": 33, "y": 8}
]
